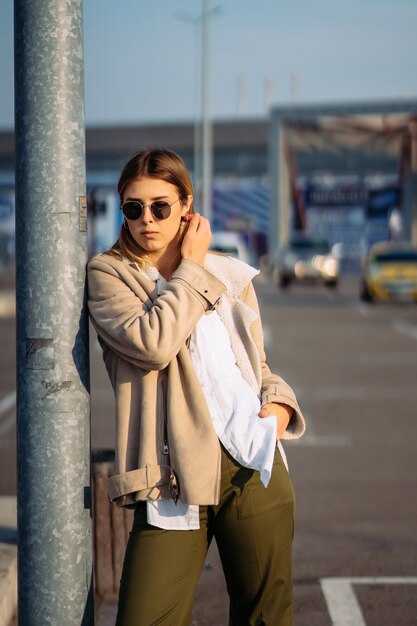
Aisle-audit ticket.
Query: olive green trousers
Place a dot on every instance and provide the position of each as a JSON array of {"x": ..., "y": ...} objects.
[{"x": 253, "y": 527}]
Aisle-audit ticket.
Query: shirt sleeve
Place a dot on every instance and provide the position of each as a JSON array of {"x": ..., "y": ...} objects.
[{"x": 274, "y": 388}]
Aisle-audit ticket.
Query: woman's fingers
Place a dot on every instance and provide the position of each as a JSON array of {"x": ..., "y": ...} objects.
[
  {"x": 282, "y": 412},
  {"x": 197, "y": 239}
]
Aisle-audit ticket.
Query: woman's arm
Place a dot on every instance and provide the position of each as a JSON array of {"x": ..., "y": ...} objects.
[
  {"x": 275, "y": 391},
  {"x": 148, "y": 334}
]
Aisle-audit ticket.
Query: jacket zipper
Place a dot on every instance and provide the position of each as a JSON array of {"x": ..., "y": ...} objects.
[{"x": 165, "y": 449}]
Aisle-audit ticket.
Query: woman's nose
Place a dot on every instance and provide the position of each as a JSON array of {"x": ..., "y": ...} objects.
[{"x": 147, "y": 214}]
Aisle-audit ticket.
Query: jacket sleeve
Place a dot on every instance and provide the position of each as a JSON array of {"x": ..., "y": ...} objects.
[
  {"x": 148, "y": 334},
  {"x": 274, "y": 388}
]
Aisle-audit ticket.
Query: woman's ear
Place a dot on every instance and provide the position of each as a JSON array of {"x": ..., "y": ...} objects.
[{"x": 188, "y": 204}]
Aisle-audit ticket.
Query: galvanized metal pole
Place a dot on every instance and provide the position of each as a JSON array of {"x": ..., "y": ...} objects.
[{"x": 53, "y": 432}]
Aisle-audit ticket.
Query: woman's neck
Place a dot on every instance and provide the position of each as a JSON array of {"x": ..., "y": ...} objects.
[{"x": 167, "y": 264}]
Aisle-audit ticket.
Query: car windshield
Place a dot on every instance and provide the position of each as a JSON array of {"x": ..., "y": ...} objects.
[
  {"x": 309, "y": 246},
  {"x": 397, "y": 256},
  {"x": 231, "y": 250}
]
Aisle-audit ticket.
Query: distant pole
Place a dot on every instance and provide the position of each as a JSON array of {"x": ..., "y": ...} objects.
[
  {"x": 240, "y": 94},
  {"x": 53, "y": 432},
  {"x": 207, "y": 147},
  {"x": 413, "y": 176},
  {"x": 197, "y": 120},
  {"x": 279, "y": 216},
  {"x": 295, "y": 84},
  {"x": 268, "y": 89}
]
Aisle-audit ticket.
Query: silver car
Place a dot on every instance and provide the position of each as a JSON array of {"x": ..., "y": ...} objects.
[{"x": 305, "y": 259}]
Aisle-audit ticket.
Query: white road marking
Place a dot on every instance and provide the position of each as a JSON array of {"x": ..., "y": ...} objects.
[
  {"x": 267, "y": 336},
  {"x": 357, "y": 393},
  {"x": 311, "y": 438},
  {"x": 362, "y": 309},
  {"x": 405, "y": 328},
  {"x": 343, "y": 607},
  {"x": 320, "y": 440},
  {"x": 390, "y": 358},
  {"x": 7, "y": 403},
  {"x": 341, "y": 601}
]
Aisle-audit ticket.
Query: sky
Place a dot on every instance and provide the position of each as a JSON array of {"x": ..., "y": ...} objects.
[{"x": 141, "y": 57}]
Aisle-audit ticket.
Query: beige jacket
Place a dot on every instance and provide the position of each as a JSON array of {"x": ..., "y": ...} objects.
[{"x": 166, "y": 445}]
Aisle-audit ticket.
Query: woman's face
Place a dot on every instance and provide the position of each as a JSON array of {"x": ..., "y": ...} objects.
[{"x": 155, "y": 236}]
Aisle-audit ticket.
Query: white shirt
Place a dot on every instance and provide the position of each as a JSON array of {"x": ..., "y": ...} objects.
[{"x": 234, "y": 408}]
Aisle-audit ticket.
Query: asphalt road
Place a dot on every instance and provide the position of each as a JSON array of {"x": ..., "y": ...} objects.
[{"x": 354, "y": 367}]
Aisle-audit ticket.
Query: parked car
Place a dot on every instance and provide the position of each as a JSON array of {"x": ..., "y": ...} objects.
[
  {"x": 231, "y": 244},
  {"x": 306, "y": 259},
  {"x": 390, "y": 272}
]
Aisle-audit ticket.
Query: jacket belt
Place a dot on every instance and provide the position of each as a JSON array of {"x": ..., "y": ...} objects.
[{"x": 135, "y": 480}]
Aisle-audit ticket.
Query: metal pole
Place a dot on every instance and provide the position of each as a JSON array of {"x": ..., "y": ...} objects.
[
  {"x": 53, "y": 432},
  {"x": 207, "y": 168}
]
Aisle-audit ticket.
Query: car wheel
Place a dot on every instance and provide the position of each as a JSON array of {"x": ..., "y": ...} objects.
[
  {"x": 284, "y": 281},
  {"x": 331, "y": 283},
  {"x": 364, "y": 294}
]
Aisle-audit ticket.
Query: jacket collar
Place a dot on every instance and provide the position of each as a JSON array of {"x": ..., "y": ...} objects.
[{"x": 234, "y": 273}]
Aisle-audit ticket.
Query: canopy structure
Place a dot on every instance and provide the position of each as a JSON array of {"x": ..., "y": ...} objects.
[{"x": 345, "y": 140}]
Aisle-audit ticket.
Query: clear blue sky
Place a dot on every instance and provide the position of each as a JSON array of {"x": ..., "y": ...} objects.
[{"x": 140, "y": 58}]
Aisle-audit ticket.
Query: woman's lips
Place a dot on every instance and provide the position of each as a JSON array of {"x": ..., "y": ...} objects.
[{"x": 149, "y": 233}]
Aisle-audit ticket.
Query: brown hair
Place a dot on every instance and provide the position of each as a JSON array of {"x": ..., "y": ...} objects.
[{"x": 151, "y": 163}]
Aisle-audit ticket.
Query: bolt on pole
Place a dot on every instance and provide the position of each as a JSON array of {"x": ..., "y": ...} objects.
[{"x": 53, "y": 428}]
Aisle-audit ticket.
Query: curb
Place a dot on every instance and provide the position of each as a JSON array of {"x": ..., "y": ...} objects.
[
  {"x": 8, "y": 583},
  {"x": 7, "y": 304},
  {"x": 8, "y": 559}
]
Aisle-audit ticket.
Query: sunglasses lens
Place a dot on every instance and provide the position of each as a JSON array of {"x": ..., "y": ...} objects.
[
  {"x": 132, "y": 210},
  {"x": 160, "y": 210}
]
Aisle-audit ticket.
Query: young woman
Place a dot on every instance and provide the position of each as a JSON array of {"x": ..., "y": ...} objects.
[{"x": 199, "y": 415}]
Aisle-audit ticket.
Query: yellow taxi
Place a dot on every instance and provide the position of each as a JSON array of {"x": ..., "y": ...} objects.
[{"x": 390, "y": 272}]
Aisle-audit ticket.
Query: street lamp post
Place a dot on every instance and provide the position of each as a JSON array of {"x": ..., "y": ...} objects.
[
  {"x": 53, "y": 427},
  {"x": 203, "y": 144}
]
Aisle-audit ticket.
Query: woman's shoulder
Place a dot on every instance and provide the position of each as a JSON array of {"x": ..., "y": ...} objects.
[
  {"x": 109, "y": 266},
  {"x": 107, "y": 259}
]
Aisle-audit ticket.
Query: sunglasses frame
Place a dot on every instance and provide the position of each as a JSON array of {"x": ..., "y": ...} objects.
[{"x": 142, "y": 207}]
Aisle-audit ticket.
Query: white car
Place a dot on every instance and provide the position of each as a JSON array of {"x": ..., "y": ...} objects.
[{"x": 231, "y": 244}]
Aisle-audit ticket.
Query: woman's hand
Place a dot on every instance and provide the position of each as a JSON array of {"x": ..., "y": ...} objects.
[
  {"x": 197, "y": 239},
  {"x": 283, "y": 413}
]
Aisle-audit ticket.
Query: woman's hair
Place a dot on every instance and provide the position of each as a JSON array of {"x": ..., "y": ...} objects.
[{"x": 151, "y": 163}]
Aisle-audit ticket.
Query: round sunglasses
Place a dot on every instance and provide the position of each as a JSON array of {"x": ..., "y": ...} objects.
[{"x": 133, "y": 209}]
